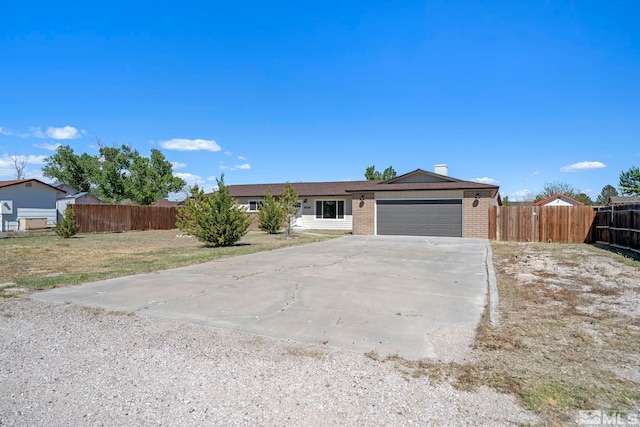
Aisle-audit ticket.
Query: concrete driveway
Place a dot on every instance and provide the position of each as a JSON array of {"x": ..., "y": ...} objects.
[{"x": 412, "y": 296}]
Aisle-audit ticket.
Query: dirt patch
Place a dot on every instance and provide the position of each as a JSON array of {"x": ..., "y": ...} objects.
[{"x": 568, "y": 338}]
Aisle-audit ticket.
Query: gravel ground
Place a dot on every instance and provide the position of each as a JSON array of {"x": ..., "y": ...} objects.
[{"x": 67, "y": 365}]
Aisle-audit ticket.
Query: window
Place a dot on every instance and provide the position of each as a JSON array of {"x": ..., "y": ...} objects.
[
  {"x": 254, "y": 205},
  {"x": 330, "y": 209}
]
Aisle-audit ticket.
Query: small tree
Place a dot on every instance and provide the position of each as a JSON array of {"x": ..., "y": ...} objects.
[
  {"x": 630, "y": 182},
  {"x": 608, "y": 191},
  {"x": 270, "y": 214},
  {"x": 68, "y": 227},
  {"x": 217, "y": 220},
  {"x": 289, "y": 203},
  {"x": 186, "y": 214}
]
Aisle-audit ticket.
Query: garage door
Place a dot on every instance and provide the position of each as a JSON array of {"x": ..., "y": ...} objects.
[{"x": 420, "y": 217}]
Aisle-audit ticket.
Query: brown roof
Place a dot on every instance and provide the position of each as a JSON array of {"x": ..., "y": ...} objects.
[
  {"x": 304, "y": 189},
  {"x": 559, "y": 196},
  {"x": 164, "y": 203},
  {"x": 409, "y": 186},
  {"x": 20, "y": 181},
  {"x": 344, "y": 188}
]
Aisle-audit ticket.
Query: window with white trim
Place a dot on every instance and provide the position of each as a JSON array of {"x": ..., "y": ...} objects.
[
  {"x": 329, "y": 209},
  {"x": 254, "y": 205}
]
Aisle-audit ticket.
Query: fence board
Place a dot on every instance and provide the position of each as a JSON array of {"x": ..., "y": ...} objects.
[
  {"x": 617, "y": 226},
  {"x": 561, "y": 224},
  {"x": 114, "y": 218}
]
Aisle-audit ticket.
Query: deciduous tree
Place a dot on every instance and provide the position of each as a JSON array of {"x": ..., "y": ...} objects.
[
  {"x": 556, "y": 187},
  {"x": 115, "y": 174},
  {"x": 151, "y": 178},
  {"x": 77, "y": 171},
  {"x": 372, "y": 174}
]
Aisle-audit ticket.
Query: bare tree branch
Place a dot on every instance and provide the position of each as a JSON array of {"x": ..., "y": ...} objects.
[{"x": 19, "y": 164}]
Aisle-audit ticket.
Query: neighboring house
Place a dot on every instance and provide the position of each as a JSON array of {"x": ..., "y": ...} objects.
[
  {"x": 418, "y": 203},
  {"x": 27, "y": 204},
  {"x": 73, "y": 196},
  {"x": 525, "y": 203},
  {"x": 164, "y": 203},
  {"x": 559, "y": 200},
  {"x": 624, "y": 200}
]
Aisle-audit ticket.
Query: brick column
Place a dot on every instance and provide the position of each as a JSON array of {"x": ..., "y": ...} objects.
[
  {"x": 363, "y": 212},
  {"x": 476, "y": 214}
]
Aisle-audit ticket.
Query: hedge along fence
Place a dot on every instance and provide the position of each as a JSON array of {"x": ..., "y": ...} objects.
[
  {"x": 559, "y": 224},
  {"x": 116, "y": 218}
]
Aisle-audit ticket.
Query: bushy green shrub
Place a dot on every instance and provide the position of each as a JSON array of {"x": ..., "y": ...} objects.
[
  {"x": 217, "y": 220},
  {"x": 270, "y": 214},
  {"x": 68, "y": 227}
]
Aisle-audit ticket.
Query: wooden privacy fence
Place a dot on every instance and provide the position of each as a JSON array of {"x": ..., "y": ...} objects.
[
  {"x": 111, "y": 218},
  {"x": 559, "y": 224},
  {"x": 619, "y": 226}
]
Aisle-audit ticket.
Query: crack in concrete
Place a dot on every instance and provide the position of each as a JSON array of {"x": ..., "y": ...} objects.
[
  {"x": 172, "y": 300},
  {"x": 248, "y": 275},
  {"x": 292, "y": 299}
]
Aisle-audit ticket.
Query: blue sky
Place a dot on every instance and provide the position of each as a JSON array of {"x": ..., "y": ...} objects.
[{"x": 518, "y": 93}]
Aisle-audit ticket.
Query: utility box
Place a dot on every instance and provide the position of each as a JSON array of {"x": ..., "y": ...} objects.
[
  {"x": 6, "y": 207},
  {"x": 33, "y": 223}
]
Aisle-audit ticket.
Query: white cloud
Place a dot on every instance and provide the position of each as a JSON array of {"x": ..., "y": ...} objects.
[
  {"x": 47, "y": 146},
  {"x": 485, "y": 180},
  {"x": 66, "y": 132},
  {"x": 178, "y": 165},
  {"x": 190, "y": 144},
  {"x": 245, "y": 166},
  {"x": 521, "y": 195},
  {"x": 228, "y": 153},
  {"x": 33, "y": 132},
  {"x": 4, "y": 131},
  {"x": 190, "y": 178},
  {"x": 583, "y": 166},
  {"x": 30, "y": 160},
  {"x": 242, "y": 158},
  {"x": 7, "y": 166},
  {"x": 534, "y": 173}
]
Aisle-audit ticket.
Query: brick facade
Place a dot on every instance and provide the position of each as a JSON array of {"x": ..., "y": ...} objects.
[
  {"x": 363, "y": 214},
  {"x": 476, "y": 214}
]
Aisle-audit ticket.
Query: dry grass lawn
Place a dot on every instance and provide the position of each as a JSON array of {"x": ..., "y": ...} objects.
[{"x": 44, "y": 261}]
